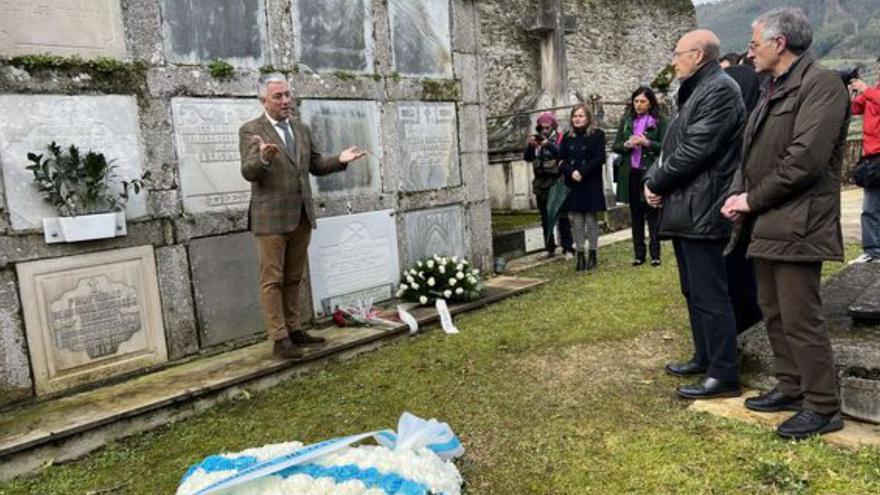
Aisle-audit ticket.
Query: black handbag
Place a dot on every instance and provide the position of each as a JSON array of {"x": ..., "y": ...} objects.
[{"x": 867, "y": 172}]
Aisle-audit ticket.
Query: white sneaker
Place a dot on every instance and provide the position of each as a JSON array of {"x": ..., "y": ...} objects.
[
  {"x": 569, "y": 255},
  {"x": 865, "y": 258}
]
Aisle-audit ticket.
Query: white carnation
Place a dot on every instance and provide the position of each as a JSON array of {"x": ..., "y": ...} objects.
[
  {"x": 453, "y": 281},
  {"x": 423, "y": 299},
  {"x": 459, "y": 275},
  {"x": 414, "y": 286},
  {"x": 431, "y": 282},
  {"x": 447, "y": 293},
  {"x": 442, "y": 269},
  {"x": 409, "y": 279},
  {"x": 430, "y": 263},
  {"x": 459, "y": 290}
]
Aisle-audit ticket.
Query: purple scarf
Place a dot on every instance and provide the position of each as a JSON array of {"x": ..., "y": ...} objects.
[{"x": 640, "y": 124}]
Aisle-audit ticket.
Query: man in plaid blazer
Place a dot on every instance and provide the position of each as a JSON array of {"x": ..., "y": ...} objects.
[{"x": 277, "y": 155}]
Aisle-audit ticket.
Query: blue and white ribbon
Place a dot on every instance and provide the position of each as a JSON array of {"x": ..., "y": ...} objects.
[{"x": 412, "y": 433}]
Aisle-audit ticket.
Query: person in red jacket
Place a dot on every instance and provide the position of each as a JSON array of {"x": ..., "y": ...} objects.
[{"x": 867, "y": 103}]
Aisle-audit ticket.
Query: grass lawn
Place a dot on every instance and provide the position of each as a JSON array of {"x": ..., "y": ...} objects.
[
  {"x": 505, "y": 221},
  {"x": 558, "y": 391}
]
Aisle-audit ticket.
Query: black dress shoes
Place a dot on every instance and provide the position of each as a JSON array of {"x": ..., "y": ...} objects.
[
  {"x": 286, "y": 349},
  {"x": 302, "y": 338},
  {"x": 709, "y": 388},
  {"x": 773, "y": 401},
  {"x": 807, "y": 423},
  {"x": 685, "y": 369}
]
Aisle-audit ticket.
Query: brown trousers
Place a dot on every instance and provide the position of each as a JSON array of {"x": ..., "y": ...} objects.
[
  {"x": 282, "y": 265},
  {"x": 788, "y": 294}
]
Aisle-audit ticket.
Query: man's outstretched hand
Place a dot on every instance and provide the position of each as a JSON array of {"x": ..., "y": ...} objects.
[{"x": 351, "y": 154}]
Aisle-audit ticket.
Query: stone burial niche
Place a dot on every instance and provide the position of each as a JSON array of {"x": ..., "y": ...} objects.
[{"x": 163, "y": 87}]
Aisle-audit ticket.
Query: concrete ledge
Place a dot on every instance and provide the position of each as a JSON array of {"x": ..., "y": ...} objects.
[{"x": 66, "y": 428}]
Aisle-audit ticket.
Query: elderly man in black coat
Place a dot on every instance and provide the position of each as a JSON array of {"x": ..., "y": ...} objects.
[{"x": 697, "y": 164}]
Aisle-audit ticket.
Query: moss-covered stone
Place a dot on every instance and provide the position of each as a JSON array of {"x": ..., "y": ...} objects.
[{"x": 440, "y": 90}]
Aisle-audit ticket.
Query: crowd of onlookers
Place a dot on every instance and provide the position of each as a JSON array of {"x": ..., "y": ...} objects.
[{"x": 744, "y": 180}]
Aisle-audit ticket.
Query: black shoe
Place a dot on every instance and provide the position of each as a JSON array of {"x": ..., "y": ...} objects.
[
  {"x": 581, "y": 262},
  {"x": 710, "y": 388},
  {"x": 286, "y": 349},
  {"x": 773, "y": 401},
  {"x": 807, "y": 423},
  {"x": 638, "y": 261},
  {"x": 655, "y": 262},
  {"x": 591, "y": 261},
  {"x": 302, "y": 338},
  {"x": 685, "y": 369}
]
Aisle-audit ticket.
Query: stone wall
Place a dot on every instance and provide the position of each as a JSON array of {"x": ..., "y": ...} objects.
[
  {"x": 201, "y": 260},
  {"x": 618, "y": 45}
]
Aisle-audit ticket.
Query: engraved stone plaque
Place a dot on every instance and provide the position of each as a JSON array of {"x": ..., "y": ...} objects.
[
  {"x": 87, "y": 28},
  {"x": 337, "y": 125},
  {"x": 106, "y": 124},
  {"x": 333, "y": 35},
  {"x": 435, "y": 231},
  {"x": 206, "y": 139},
  {"x": 91, "y": 317},
  {"x": 534, "y": 238},
  {"x": 351, "y": 253},
  {"x": 198, "y": 31},
  {"x": 428, "y": 145},
  {"x": 420, "y": 37}
]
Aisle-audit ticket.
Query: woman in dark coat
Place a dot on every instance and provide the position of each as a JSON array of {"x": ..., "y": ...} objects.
[
  {"x": 582, "y": 155},
  {"x": 638, "y": 141}
]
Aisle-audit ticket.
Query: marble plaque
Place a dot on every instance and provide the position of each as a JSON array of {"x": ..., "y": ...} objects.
[
  {"x": 420, "y": 37},
  {"x": 198, "y": 31},
  {"x": 333, "y": 35},
  {"x": 226, "y": 283},
  {"x": 206, "y": 139},
  {"x": 28, "y": 123},
  {"x": 336, "y": 125},
  {"x": 379, "y": 293},
  {"x": 534, "y": 239},
  {"x": 351, "y": 253},
  {"x": 86, "y": 28},
  {"x": 91, "y": 317},
  {"x": 435, "y": 231},
  {"x": 427, "y": 145}
]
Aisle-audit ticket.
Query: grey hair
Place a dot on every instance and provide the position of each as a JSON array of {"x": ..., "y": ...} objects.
[
  {"x": 791, "y": 24},
  {"x": 263, "y": 82}
]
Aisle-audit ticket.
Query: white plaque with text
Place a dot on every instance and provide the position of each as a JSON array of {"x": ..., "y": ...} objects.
[{"x": 350, "y": 253}]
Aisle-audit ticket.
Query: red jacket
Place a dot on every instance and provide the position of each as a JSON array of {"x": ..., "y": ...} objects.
[{"x": 868, "y": 104}]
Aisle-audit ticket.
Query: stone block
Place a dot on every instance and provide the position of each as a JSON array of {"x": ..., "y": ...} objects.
[
  {"x": 31, "y": 27},
  {"x": 472, "y": 129},
  {"x": 420, "y": 38},
  {"x": 226, "y": 283},
  {"x": 164, "y": 204},
  {"x": 333, "y": 35},
  {"x": 197, "y": 32},
  {"x": 143, "y": 31},
  {"x": 157, "y": 129},
  {"x": 178, "y": 312},
  {"x": 479, "y": 217},
  {"x": 106, "y": 124},
  {"x": 197, "y": 225},
  {"x": 15, "y": 372},
  {"x": 467, "y": 71},
  {"x": 428, "y": 146},
  {"x": 91, "y": 317},
  {"x": 474, "y": 172},
  {"x": 465, "y": 34}
]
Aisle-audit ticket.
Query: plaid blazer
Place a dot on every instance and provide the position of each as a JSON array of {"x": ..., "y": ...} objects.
[{"x": 281, "y": 189}]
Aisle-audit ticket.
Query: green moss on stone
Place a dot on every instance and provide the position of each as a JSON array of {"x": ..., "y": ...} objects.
[
  {"x": 439, "y": 90},
  {"x": 107, "y": 74},
  {"x": 221, "y": 69}
]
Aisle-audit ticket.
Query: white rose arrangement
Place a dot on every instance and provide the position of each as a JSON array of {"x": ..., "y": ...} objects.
[{"x": 440, "y": 277}]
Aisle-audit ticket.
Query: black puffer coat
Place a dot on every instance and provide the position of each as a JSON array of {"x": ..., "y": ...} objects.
[{"x": 701, "y": 152}]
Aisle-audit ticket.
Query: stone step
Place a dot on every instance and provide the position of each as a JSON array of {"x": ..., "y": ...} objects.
[
  {"x": 66, "y": 428},
  {"x": 866, "y": 308}
]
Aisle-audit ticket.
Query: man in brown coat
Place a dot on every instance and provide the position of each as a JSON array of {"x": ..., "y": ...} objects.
[
  {"x": 787, "y": 194},
  {"x": 277, "y": 155}
]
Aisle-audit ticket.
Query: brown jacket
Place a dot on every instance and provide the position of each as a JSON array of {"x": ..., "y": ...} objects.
[
  {"x": 792, "y": 153},
  {"x": 280, "y": 189}
]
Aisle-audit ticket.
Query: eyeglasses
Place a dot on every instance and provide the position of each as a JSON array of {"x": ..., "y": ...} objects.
[
  {"x": 754, "y": 46},
  {"x": 682, "y": 52}
]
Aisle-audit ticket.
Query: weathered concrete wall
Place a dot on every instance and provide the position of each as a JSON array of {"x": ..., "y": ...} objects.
[{"x": 618, "y": 46}]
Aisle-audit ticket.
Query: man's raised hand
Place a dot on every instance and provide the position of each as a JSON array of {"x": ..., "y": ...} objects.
[
  {"x": 351, "y": 154},
  {"x": 267, "y": 150}
]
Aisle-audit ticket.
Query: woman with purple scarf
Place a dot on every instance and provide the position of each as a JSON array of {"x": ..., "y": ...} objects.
[{"x": 638, "y": 141}]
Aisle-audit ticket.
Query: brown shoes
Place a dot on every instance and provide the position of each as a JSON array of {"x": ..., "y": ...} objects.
[
  {"x": 300, "y": 337},
  {"x": 286, "y": 349}
]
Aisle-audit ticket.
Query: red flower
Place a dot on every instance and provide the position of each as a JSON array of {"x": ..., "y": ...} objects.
[{"x": 339, "y": 318}]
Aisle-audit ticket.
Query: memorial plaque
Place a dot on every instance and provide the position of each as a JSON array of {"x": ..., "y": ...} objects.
[
  {"x": 420, "y": 37},
  {"x": 198, "y": 31},
  {"x": 428, "y": 145},
  {"x": 226, "y": 282},
  {"x": 105, "y": 124},
  {"x": 333, "y": 35},
  {"x": 91, "y": 317},
  {"x": 336, "y": 125},
  {"x": 206, "y": 138},
  {"x": 436, "y": 231},
  {"x": 534, "y": 239},
  {"x": 86, "y": 28},
  {"x": 352, "y": 253}
]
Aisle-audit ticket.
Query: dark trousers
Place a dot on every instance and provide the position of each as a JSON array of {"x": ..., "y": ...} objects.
[
  {"x": 704, "y": 285},
  {"x": 640, "y": 213},
  {"x": 542, "y": 196},
  {"x": 803, "y": 359},
  {"x": 742, "y": 287}
]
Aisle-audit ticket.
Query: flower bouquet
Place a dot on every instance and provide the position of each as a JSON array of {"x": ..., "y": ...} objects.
[
  {"x": 440, "y": 277},
  {"x": 361, "y": 314}
]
